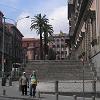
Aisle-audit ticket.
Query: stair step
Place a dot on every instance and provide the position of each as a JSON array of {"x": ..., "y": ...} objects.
[{"x": 60, "y": 70}]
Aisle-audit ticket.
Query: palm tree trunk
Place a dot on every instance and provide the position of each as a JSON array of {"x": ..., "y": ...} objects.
[
  {"x": 41, "y": 49},
  {"x": 45, "y": 44}
]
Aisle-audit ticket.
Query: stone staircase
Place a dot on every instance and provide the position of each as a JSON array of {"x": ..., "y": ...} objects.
[{"x": 50, "y": 70}]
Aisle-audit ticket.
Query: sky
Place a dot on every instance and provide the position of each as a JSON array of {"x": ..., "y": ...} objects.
[{"x": 55, "y": 11}]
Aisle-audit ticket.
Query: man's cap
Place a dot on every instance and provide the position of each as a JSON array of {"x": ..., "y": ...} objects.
[
  {"x": 33, "y": 71},
  {"x": 23, "y": 72}
]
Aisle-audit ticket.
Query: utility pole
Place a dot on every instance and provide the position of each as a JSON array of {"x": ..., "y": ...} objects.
[
  {"x": 3, "y": 47},
  {"x": 3, "y": 35},
  {"x": 3, "y": 60}
]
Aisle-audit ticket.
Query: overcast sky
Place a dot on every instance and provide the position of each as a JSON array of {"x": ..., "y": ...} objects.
[{"x": 56, "y": 11}]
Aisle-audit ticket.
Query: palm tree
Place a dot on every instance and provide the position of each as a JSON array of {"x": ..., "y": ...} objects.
[
  {"x": 38, "y": 23},
  {"x": 48, "y": 30}
]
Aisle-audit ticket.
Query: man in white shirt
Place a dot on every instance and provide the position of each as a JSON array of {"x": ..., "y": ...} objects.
[{"x": 23, "y": 82}]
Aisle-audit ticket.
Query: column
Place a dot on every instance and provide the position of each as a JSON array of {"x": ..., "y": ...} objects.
[
  {"x": 93, "y": 18},
  {"x": 88, "y": 42}
]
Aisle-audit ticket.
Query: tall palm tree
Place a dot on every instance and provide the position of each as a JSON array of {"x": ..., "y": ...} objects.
[
  {"x": 48, "y": 30},
  {"x": 38, "y": 23}
]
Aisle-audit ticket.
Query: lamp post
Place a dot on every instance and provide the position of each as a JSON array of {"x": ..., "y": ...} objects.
[
  {"x": 3, "y": 78},
  {"x": 20, "y": 19},
  {"x": 3, "y": 46}
]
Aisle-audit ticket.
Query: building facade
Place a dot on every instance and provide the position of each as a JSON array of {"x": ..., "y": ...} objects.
[
  {"x": 12, "y": 45},
  {"x": 83, "y": 25},
  {"x": 7, "y": 51},
  {"x": 30, "y": 49},
  {"x": 16, "y": 43},
  {"x": 60, "y": 45}
]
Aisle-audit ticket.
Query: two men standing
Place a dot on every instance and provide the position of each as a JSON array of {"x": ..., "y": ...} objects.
[{"x": 24, "y": 83}]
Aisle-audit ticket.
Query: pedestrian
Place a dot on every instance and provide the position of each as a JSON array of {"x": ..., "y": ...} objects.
[
  {"x": 33, "y": 84},
  {"x": 23, "y": 82}
]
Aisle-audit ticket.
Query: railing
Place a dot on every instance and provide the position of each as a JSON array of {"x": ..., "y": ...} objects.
[
  {"x": 73, "y": 88},
  {"x": 68, "y": 86},
  {"x": 13, "y": 74}
]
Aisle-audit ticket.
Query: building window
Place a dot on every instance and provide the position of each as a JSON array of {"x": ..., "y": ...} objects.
[
  {"x": 58, "y": 49},
  {"x": 57, "y": 40},
  {"x": 27, "y": 44},
  {"x": 62, "y": 46},
  {"x": 66, "y": 52},
  {"x": 0, "y": 41},
  {"x": 62, "y": 52},
  {"x": 62, "y": 40},
  {"x": 53, "y": 46},
  {"x": 58, "y": 52},
  {"x": 31, "y": 44},
  {"x": 58, "y": 45}
]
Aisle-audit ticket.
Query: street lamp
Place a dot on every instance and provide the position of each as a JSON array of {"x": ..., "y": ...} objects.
[
  {"x": 15, "y": 22},
  {"x": 20, "y": 19},
  {"x": 3, "y": 79},
  {"x": 3, "y": 46}
]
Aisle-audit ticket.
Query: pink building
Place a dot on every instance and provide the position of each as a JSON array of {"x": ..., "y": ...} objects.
[{"x": 30, "y": 48}]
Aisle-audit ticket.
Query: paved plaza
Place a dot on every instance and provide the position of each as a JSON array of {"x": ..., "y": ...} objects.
[{"x": 13, "y": 93}]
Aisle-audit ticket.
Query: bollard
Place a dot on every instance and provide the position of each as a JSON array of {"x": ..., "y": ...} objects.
[
  {"x": 94, "y": 86},
  {"x": 56, "y": 94},
  {"x": 4, "y": 92},
  {"x": 93, "y": 97},
  {"x": 3, "y": 81},
  {"x": 75, "y": 97},
  {"x": 56, "y": 89},
  {"x": 56, "y": 86},
  {"x": 10, "y": 81}
]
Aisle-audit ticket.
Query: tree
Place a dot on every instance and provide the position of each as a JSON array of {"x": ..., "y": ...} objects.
[
  {"x": 38, "y": 23},
  {"x": 48, "y": 30},
  {"x": 51, "y": 54}
]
